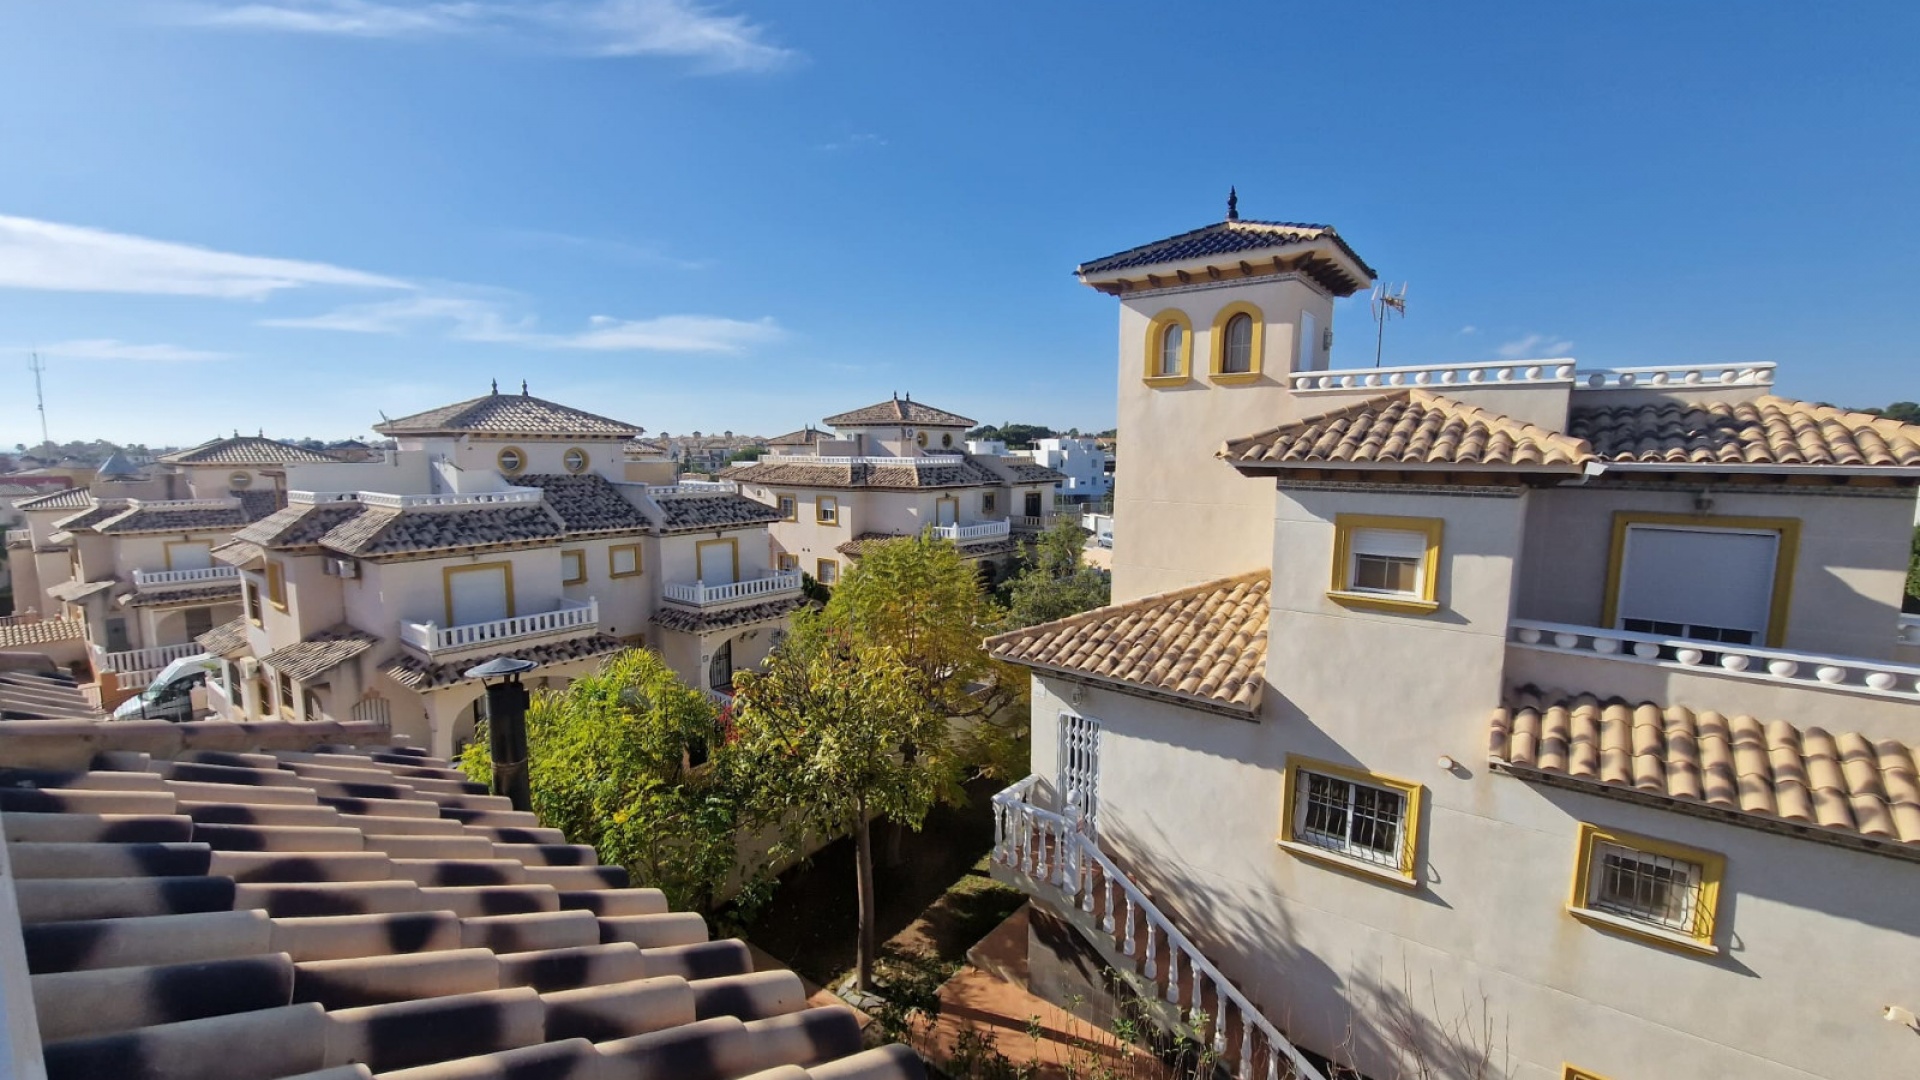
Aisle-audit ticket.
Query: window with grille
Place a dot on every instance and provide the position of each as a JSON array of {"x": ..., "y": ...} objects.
[
  {"x": 1631, "y": 881},
  {"x": 1080, "y": 767},
  {"x": 1347, "y": 817}
]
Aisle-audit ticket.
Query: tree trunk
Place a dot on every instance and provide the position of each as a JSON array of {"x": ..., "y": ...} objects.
[
  {"x": 896, "y": 849},
  {"x": 863, "y": 873}
]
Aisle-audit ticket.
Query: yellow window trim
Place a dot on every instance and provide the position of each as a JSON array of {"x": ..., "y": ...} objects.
[
  {"x": 733, "y": 547},
  {"x": 446, "y": 583},
  {"x": 820, "y": 503},
  {"x": 168, "y": 546},
  {"x": 786, "y": 562},
  {"x": 1155, "y": 330},
  {"x": 502, "y": 465},
  {"x": 1574, "y": 1072},
  {"x": 579, "y": 557},
  {"x": 1407, "y": 874},
  {"x": 952, "y": 499},
  {"x": 586, "y": 460},
  {"x": 1713, "y": 868},
  {"x": 277, "y": 585},
  {"x": 613, "y": 568},
  {"x": 1789, "y": 555},
  {"x": 822, "y": 578},
  {"x": 791, "y": 515},
  {"x": 1218, "y": 345},
  {"x": 250, "y": 602},
  {"x": 1342, "y": 592}
]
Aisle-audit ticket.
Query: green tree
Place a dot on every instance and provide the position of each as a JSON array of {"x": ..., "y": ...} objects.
[
  {"x": 633, "y": 762},
  {"x": 1016, "y": 436},
  {"x": 1054, "y": 584},
  {"x": 1913, "y": 577},
  {"x": 836, "y": 734},
  {"x": 1907, "y": 412},
  {"x": 749, "y": 453}
]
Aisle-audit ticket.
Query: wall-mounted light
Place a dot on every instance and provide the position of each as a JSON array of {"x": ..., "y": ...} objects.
[
  {"x": 1703, "y": 502},
  {"x": 1447, "y": 764},
  {"x": 1894, "y": 1014}
]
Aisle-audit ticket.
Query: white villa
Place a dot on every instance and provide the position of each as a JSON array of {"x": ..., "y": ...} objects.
[
  {"x": 1552, "y": 716},
  {"x": 503, "y": 525},
  {"x": 893, "y": 469}
]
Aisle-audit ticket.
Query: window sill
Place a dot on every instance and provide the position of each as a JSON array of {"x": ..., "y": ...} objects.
[
  {"x": 1653, "y": 935},
  {"x": 1375, "y": 602},
  {"x": 1237, "y": 378},
  {"x": 1166, "y": 380},
  {"x": 628, "y": 574},
  {"x": 1334, "y": 859}
]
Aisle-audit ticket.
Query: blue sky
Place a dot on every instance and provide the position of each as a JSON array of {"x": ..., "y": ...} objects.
[{"x": 294, "y": 214}]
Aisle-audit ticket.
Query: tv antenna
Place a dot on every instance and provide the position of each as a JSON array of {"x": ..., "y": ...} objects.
[
  {"x": 37, "y": 365},
  {"x": 1386, "y": 304}
]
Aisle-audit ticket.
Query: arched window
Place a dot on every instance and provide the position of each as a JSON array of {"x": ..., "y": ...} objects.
[
  {"x": 1172, "y": 343},
  {"x": 1238, "y": 358}
]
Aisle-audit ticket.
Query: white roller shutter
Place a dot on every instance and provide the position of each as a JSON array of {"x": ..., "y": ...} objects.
[
  {"x": 1699, "y": 577},
  {"x": 477, "y": 595}
]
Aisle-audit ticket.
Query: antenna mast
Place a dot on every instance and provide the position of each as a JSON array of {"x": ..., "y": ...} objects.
[
  {"x": 36, "y": 365},
  {"x": 1386, "y": 304}
]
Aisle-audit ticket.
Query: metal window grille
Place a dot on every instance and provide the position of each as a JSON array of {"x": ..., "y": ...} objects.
[
  {"x": 1649, "y": 888},
  {"x": 1357, "y": 820},
  {"x": 1080, "y": 766}
]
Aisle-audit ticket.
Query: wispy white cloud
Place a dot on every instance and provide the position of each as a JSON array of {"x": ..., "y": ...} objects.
[
  {"x": 477, "y": 320},
  {"x": 1469, "y": 330},
  {"x": 73, "y": 258},
  {"x": 112, "y": 349},
  {"x": 856, "y": 141},
  {"x": 1535, "y": 345},
  {"x": 674, "y": 29},
  {"x": 612, "y": 250}
]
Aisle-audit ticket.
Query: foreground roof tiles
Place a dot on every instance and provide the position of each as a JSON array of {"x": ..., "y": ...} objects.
[
  {"x": 269, "y": 900},
  {"x": 44, "y": 632},
  {"x": 246, "y": 450},
  {"x": 1767, "y": 431},
  {"x": 1843, "y": 781},
  {"x": 899, "y": 411},
  {"x": 509, "y": 414},
  {"x": 1220, "y": 238},
  {"x": 1409, "y": 428},
  {"x": 43, "y": 694},
  {"x": 1206, "y": 644}
]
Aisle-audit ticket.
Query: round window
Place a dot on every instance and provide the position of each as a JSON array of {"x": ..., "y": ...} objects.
[
  {"x": 240, "y": 480},
  {"x": 575, "y": 460},
  {"x": 946, "y": 439},
  {"x": 511, "y": 460},
  {"x": 921, "y": 439}
]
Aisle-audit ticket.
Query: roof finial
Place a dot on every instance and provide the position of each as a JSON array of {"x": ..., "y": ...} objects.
[
  {"x": 496, "y": 386},
  {"x": 263, "y": 433},
  {"x": 523, "y": 388},
  {"x": 1233, "y": 204}
]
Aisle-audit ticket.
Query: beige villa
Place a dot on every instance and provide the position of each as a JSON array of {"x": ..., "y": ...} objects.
[
  {"x": 1523, "y": 709},
  {"x": 892, "y": 469},
  {"x": 502, "y": 525}
]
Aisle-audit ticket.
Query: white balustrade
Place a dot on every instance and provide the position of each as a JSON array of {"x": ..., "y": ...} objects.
[
  {"x": 223, "y": 503},
  {"x": 511, "y": 496},
  {"x": 1908, "y": 632},
  {"x": 1032, "y": 522},
  {"x": 719, "y": 697},
  {"x": 1676, "y": 376},
  {"x": 570, "y": 617},
  {"x": 19, "y": 536},
  {"x": 146, "y": 661},
  {"x": 148, "y": 580},
  {"x": 1476, "y": 374},
  {"x": 1876, "y": 678},
  {"x": 1048, "y": 847},
  {"x": 314, "y": 498},
  {"x": 925, "y": 459},
  {"x": 693, "y": 487},
  {"x": 702, "y": 595},
  {"x": 973, "y": 534}
]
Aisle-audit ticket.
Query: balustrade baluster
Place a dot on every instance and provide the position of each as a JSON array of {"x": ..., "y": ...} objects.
[
  {"x": 1106, "y": 921},
  {"x": 1150, "y": 964},
  {"x": 1128, "y": 950},
  {"x": 1245, "y": 1065},
  {"x": 1219, "y": 1018},
  {"x": 1172, "y": 996}
]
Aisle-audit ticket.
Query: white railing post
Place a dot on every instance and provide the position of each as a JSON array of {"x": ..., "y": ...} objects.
[{"x": 1873, "y": 678}]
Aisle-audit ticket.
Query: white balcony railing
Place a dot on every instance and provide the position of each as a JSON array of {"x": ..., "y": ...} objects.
[
  {"x": 19, "y": 536},
  {"x": 147, "y": 661},
  {"x": 1676, "y": 376},
  {"x": 150, "y": 580},
  {"x": 1876, "y": 678},
  {"x": 701, "y": 595},
  {"x": 1909, "y": 630},
  {"x": 693, "y": 487},
  {"x": 1047, "y": 849},
  {"x": 721, "y": 698},
  {"x": 316, "y": 497},
  {"x": 1032, "y": 522},
  {"x": 511, "y": 496},
  {"x": 226, "y": 502},
  {"x": 973, "y": 534},
  {"x": 1497, "y": 371},
  {"x": 571, "y": 617},
  {"x": 925, "y": 459}
]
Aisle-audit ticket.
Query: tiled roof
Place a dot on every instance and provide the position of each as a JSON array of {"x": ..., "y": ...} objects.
[
  {"x": 254, "y": 505},
  {"x": 240, "y": 553},
  {"x": 867, "y": 541},
  {"x": 71, "y": 591},
  {"x": 1410, "y": 428},
  {"x": 319, "y": 654},
  {"x": 411, "y": 532},
  {"x": 44, "y": 632},
  {"x": 784, "y": 472},
  {"x": 299, "y": 525},
  {"x": 691, "y": 621},
  {"x": 808, "y": 436},
  {"x": 246, "y": 450},
  {"x": 229, "y": 639},
  {"x": 641, "y": 448},
  {"x": 117, "y": 466},
  {"x": 508, "y": 414},
  {"x": 692, "y": 513},
  {"x": 27, "y": 694},
  {"x": 270, "y": 900},
  {"x": 195, "y": 597},
  {"x": 1766, "y": 431},
  {"x": 1205, "y": 644},
  {"x": 1026, "y": 472},
  {"x": 416, "y": 674},
  {"x": 64, "y": 499},
  {"x": 92, "y": 515},
  {"x": 899, "y": 411},
  {"x": 1762, "y": 769},
  {"x": 1220, "y": 238},
  {"x": 587, "y": 505}
]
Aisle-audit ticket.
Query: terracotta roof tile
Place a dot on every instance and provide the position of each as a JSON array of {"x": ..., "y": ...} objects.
[
  {"x": 381, "y": 531},
  {"x": 192, "y": 597},
  {"x": 899, "y": 411},
  {"x": 151, "y": 517},
  {"x": 246, "y": 450},
  {"x": 1409, "y": 428},
  {"x": 415, "y": 673},
  {"x": 229, "y": 639},
  {"x": 64, "y": 499},
  {"x": 29, "y": 694},
  {"x": 92, "y": 515},
  {"x": 509, "y": 414},
  {"x": 798, "y": 472},
  {"x": 299, "y": 525},
  {"x": 692, "y": 621},
  {"x": 1220, "y": 238},
  {"x": 1762, "y": 769},
  {"x": 71, "y": 591},
  {"x": 696, "y": 512},
  {"x": 44, "y": 632},
  {"x": 1207, "y": 643},
  {"x": 1766, "y": 431},
  {"x": 588, "y": 505},
  {"x": 808, "y": 436},
  {"x": 321, "y": 653}
]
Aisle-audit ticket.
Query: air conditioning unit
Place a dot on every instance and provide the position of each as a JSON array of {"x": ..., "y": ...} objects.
[{"x": 345, "y": 568}]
